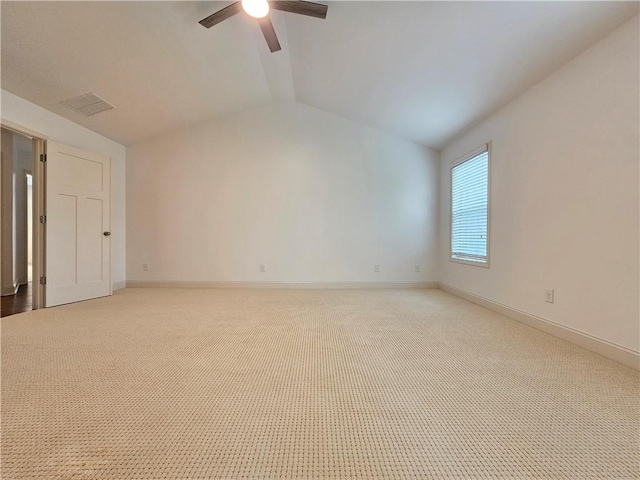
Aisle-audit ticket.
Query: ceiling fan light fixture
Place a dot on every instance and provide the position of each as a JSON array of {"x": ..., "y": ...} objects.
[{"x": 256, "y": 8}]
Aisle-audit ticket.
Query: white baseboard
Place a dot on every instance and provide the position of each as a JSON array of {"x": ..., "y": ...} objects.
[
  {"x": 300, "y": 285},
  {"x": 12, "y": 290},
  {"x": 119, "y": 285},
  {"x": 600, "y": 346}
]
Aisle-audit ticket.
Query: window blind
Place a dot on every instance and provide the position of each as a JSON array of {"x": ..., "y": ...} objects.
[{"x": 469, "y": 208}]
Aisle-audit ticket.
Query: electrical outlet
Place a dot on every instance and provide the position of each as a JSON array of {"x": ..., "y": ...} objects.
[
  {"x": 145, "y": 267},
  {"x": 548, "y": 295},
  {"x": 262, "y": 269},
  {"x": 417, "y": 270},
  {"x": 376, "y": 268}
]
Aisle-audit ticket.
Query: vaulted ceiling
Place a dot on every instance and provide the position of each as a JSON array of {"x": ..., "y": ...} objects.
[{"x": 422, "y": 70}]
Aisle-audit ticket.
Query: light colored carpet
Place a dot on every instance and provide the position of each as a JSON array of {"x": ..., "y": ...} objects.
[{"x": 157, "y": 384}]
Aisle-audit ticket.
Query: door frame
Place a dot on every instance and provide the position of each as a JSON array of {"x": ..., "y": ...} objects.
[{"x": 38, "y": 172}]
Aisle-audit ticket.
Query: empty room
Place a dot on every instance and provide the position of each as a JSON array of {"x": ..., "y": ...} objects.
[{"x": 274, "y": 239}]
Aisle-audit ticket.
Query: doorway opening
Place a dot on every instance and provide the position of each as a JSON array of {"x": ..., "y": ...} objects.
[
  {"x": 19, "y": 272},
  {"x": 28, "y": 178}
]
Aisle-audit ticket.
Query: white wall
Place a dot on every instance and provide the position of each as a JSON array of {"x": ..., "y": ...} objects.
[
  {"x": 314, "y": 197},
  {"x": 28, "y": 115},
  {"x": 564, "y": 196}
]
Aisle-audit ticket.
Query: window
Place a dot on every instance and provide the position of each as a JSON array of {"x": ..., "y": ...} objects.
[{"x": 470, "y": 208}]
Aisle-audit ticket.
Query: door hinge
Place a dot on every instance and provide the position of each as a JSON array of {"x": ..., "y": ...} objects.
[
  {"x": 43, "y": 157},
  {"x": 43, "y": 219},
  {"x": 43, "y": 280}
]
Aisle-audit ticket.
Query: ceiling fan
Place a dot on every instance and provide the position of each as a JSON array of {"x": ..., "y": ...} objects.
[{"x": 260, "y": 9}]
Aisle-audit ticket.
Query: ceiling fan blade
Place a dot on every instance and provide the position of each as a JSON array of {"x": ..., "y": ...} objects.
[
  {"x": 221, "y": 15},
  {"x": 300, "y": 7},
  {"x": 269, "y": 34}
]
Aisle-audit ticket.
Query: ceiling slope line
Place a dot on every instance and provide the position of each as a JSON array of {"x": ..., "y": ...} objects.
[{"x": 276, "y": 66}]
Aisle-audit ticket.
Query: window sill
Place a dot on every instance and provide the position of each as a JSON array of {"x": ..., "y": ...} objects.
[{"x": 470, "y": 262}]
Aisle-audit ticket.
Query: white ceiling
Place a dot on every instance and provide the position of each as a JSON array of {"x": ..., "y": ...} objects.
[
  {"x": 428, "y": 70},
  {"x": 423, "y": 70},
  {"x": 151, "y": 60}
]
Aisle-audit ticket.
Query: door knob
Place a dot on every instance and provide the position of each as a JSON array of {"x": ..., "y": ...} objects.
[{"x": 106, "y": 234}]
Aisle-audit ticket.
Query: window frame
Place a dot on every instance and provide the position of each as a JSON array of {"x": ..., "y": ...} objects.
[{"x": 485, "y": 147}]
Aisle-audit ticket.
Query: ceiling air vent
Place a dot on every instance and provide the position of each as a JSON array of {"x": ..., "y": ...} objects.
[{"x": 88, "y": 105}]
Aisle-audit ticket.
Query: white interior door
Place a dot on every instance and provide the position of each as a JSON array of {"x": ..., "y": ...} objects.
[{"x": 78, "y": 195}]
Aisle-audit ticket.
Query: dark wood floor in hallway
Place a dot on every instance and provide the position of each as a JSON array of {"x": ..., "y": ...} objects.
[{"x": 18, "y": 303}]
